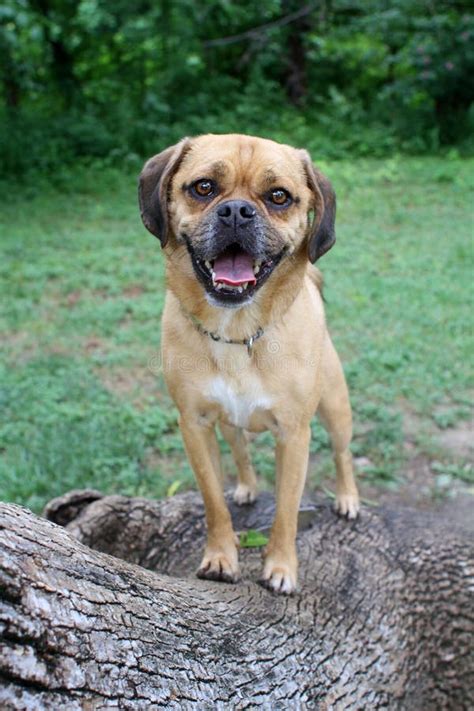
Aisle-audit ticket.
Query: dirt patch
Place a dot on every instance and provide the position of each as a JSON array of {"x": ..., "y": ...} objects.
[
  {"x": 95, "y": 345},
  {"x": 420, "y": 487},
  {"x": 133, "y": 291},
  {"x": 19, "y": 345},
  {"x": 137, "y": 384},
  {"x": 73, "y": 297},
  {"x": 459, "y": 440}
]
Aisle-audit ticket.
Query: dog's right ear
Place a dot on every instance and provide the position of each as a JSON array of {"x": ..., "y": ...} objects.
[
  {"x": 153, "y": 188},
  {"x": 322, "y": 235}
]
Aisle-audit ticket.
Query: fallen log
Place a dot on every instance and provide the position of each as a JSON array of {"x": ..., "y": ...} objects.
[{"x": 104, "y": 611}]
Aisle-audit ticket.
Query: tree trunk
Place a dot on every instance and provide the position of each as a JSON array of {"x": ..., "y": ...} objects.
[
  {"x": 62, "y": 58},
  {"x": 9, "y": 77},
  {"x": 383, "y": 618},
  {"x": 295, "y": 70}
]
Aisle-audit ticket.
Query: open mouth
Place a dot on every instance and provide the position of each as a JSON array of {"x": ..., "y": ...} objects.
[{"x": 234, "y": 275}]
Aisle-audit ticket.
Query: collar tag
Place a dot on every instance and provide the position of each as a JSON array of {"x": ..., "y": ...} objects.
[{"x": 250, "y": 345}]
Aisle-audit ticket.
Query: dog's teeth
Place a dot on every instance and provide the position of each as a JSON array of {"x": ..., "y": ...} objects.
[
  {"x": 240, "y": 289},
  {"x": 219, "y": 286},
  {"x": 256, "y": 269},
  {"x": 245, "y": 285},
  {"x": 208, "y": 264}
]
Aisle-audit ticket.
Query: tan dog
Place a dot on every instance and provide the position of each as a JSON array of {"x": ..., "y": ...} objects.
[{"x": 244, "y": 338}]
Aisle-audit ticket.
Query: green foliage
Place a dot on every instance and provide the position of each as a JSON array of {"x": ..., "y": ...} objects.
[
  {"x": 252, "y": 539},
  {"x": 117, "y": 80},
  {"x": 433, "y": 61}
]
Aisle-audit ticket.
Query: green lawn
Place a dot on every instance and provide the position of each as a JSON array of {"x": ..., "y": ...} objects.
[{"x": 82, "y": 401}]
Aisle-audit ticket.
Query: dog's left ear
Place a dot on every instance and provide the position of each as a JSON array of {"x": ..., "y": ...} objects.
[
  {"x": 153, "y": 188},
  {"x": 321, "y": 232}
]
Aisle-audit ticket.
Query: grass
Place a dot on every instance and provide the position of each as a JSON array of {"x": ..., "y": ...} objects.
[{"x": 82, "y": 401}]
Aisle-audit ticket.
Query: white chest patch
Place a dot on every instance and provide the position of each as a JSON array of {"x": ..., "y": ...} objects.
[{"x": 238, "y": 405}]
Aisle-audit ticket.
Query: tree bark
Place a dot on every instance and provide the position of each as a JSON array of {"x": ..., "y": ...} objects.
[
  {"x": 104, "y": 611},
  {"x": 9, "y": 76},
  {"x": 62, "y": 58},
  {"x": 295, "y": 74}
]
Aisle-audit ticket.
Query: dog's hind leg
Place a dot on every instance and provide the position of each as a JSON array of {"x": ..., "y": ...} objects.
[
  {"x": 246, "y": 489},
  {"x": 335, "y": 413}
]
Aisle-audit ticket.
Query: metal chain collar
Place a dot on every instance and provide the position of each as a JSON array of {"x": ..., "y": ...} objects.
[{"x": 215, "y": 337}]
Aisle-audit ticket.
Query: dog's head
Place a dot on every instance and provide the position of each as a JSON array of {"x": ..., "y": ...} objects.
[{"x": 237, "y": 208}]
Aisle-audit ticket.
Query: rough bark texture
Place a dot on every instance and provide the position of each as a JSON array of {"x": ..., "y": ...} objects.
[{"x": 383, "y": 619}]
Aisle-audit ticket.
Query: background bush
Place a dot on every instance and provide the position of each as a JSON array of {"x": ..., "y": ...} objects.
[{"x": 114, "y": 80}]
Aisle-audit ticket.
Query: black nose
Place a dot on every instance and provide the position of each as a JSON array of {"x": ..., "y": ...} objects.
[{"x": 236, "y": 213}]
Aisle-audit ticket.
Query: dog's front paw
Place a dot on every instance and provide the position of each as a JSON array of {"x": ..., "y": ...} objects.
[
  {"x": 279, "y": 577},
  {"x": 220, "y": 565},
  {"x": 347, "y": 505},
  {"x": 244, "y": 494}
]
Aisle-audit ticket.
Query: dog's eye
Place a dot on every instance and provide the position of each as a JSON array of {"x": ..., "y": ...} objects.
[
  {"x": 279, "y": 197},
  {"x": 203, "y": 188}
]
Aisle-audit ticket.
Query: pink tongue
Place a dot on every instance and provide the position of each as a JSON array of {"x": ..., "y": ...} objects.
[{"x": 234, "y": 268}]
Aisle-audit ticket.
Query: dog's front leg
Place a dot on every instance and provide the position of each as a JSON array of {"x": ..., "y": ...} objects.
[
  {"x": 220, "y": 560},
  {"x": 281, "y": 563}
]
